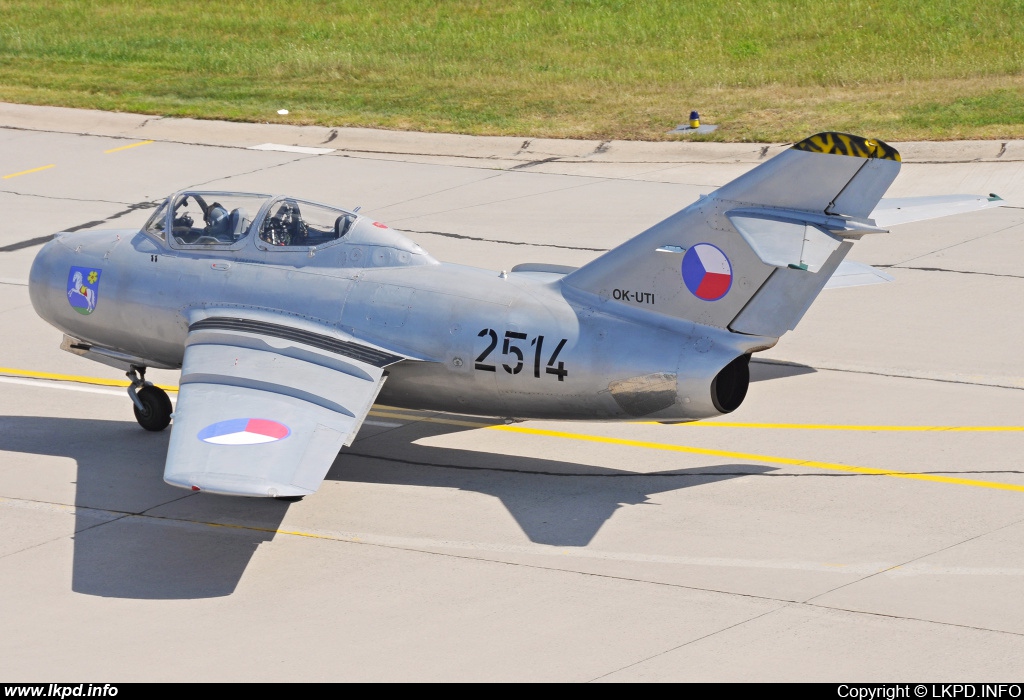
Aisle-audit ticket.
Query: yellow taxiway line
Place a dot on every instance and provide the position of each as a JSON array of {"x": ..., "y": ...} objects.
[
  {"x": 26, "y": 172},
  {"x": 131, "y": 145},
  {"x": 97, "y": 381},
  {"x": 867, "y": 428},
  {"x": 643, "y": 444},
  {"x": 747, "y": 457}
]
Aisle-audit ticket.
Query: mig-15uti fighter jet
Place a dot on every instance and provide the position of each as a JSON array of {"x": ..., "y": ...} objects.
[{"x": 289, "y": 318}]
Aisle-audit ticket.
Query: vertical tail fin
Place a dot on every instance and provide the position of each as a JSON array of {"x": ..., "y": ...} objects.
[{"x": 752, "y": 255}]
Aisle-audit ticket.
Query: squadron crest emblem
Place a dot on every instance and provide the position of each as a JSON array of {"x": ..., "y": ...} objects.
[{"x": 84, "y": 289}]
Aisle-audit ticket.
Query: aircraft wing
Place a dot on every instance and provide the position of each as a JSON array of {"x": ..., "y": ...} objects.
[
  {"x": 891, "y": 212},
  {"x": 263, "y": 408}
]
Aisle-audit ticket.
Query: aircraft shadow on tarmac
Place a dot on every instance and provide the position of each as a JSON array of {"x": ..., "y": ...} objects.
[
  {"x": 763, "y": 370},
  {"x": 553, "y": 502},
  {"x": 124, "y": 544},
  {"x": 133, "y": 541}
]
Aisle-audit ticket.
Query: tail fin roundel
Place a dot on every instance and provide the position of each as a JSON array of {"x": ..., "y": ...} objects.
[{"x": 752, "y": 255}]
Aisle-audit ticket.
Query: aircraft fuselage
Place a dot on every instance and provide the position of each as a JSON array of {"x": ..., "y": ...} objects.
[{"x": 513, "y": 345}]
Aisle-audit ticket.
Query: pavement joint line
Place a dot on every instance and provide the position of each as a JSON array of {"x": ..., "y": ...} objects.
[
  {"x": 131, "y": 145},
  {"x": 355, "y": 539},
  {"x": 262, "y": 168},
  {"x": 434, "y": 193},
  {"x": 959, "y": 243},
  {"x": 912, "y": 560},
  {"x": 60, "y": 508},
  {"x": 503, "y": 200},
  {"x": 782, "y": 602},
  {"x": 687, "y": 643},
  {"x": 26, "y": 172}
]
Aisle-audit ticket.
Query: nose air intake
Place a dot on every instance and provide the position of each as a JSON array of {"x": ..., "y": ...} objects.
[{"x": 729, "y": 387}]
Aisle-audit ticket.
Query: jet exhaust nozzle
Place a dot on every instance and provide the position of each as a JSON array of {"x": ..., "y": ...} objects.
[{"x": 729, "y": 387}]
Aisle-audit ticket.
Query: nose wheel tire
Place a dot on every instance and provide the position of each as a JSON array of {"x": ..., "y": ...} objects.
[{"x": 156, "y": 409}]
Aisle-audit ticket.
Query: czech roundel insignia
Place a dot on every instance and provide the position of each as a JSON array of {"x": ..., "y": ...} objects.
[
  {"x": 244, "y": 431},
  {"x": 84, "y": 289},
  {"x": 707, "y": 272}
]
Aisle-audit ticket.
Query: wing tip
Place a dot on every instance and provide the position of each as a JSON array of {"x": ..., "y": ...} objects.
[{"x": 234, "y": 485}]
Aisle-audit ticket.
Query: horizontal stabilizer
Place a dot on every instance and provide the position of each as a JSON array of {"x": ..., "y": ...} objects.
[
  {"x": 891, "y": 212},
  {"x": 855, "y": 274}
]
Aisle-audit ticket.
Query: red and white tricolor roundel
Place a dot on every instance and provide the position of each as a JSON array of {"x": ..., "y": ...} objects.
[
  {"x": 244, "y": 431},
  {"x": 707, "y": 272}
]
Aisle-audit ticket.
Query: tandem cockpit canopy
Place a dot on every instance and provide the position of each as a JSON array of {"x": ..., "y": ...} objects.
[{"x": 204, "y": 219}]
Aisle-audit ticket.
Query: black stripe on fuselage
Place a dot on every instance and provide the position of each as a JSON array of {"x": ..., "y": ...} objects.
[{"x": 355, "y": 351}]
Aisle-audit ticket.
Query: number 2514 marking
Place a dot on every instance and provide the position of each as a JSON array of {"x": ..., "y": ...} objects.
[{"x": 510, "y": 349}]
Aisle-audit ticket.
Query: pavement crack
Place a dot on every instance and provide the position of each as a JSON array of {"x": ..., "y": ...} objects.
[
  {"x": 146, "y": 513},
  {"x": 901, "y": 266},
  {"x": 63, "y": 199},
  {"x": 40, "y": 240},
  {"x": 532, "y": 163},
  {"x": 576, "y": 475},
  {"x": 879, "y": 373},
  {"x": 1002, "y": 150},
  {"x": 495, "y": 240}
]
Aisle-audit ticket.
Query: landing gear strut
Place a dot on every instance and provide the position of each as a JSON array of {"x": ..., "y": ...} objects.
[{"x": 152, "y": 405}]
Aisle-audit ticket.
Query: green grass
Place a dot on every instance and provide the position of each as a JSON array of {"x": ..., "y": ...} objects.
[{"x": 773, "y": 70}]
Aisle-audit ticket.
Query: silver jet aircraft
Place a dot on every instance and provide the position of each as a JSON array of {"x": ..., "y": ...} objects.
[{"x": 289, "y": 318}]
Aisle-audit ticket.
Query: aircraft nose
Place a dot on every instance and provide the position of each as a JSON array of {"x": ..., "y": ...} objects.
[{"x": 47, "y": 279}]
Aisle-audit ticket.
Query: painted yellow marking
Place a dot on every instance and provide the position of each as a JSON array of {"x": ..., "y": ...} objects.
[
  {"x": 760, "y": 458},
  {"x": 869, "y": 428},
  {"x": 388, "y": 412},
  {"x": 747, "y": 457},
  {"x": 431, "y": 419},
  {"x": 131, "y": 145},
  {"x": 26, "y": 172},
  {"x": 73, "y": 378}
]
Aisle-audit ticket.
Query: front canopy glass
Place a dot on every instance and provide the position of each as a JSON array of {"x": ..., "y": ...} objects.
[{"x": 205, "y": 218}]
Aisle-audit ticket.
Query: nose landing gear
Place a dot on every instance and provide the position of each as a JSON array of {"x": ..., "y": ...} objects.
[{"x": 152, "y": 405}]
